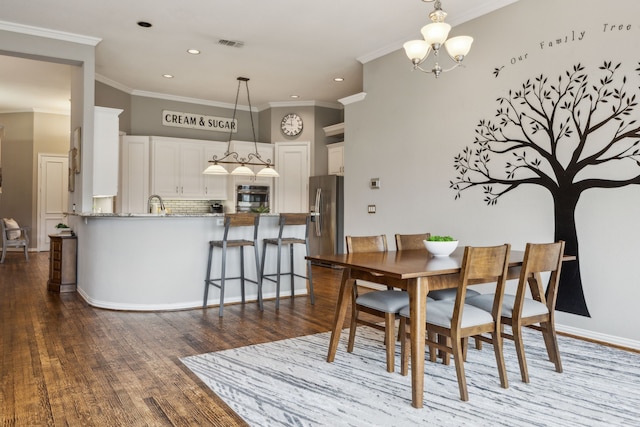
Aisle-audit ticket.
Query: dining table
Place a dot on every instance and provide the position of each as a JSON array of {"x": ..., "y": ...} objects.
[{"x": 415, "y": 271}]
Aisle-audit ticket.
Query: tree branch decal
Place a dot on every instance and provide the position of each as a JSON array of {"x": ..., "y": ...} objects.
[{"x": 558, "y": 135}]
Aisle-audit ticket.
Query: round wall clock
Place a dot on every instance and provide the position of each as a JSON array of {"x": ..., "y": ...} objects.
[{"x": 291, "y": 124}]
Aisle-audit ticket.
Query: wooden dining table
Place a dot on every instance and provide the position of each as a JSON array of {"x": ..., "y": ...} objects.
[{"x": 417, "y": 272}]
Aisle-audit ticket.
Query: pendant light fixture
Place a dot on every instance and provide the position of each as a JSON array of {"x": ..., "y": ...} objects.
[
  {"x": 435, "y": 35},
  {"x": 232, "y": 157}
]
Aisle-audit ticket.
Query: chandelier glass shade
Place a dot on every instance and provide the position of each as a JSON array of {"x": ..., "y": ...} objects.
[
  {"x": 233, "y": 158},
  {"x": 434, "y": 37}
]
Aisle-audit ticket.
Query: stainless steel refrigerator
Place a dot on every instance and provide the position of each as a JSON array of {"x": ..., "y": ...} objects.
[{"x": 326, "y": 198}]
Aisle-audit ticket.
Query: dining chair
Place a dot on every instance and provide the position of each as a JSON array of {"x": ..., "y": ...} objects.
[
  {"x": 416, "y": 242},
  {"x": 457, "y": 320},
  {"x": 519, "y": 311},
  {"x": 384, "y": 304}
]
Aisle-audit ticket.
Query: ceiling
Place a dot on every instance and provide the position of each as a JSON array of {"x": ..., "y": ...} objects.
[{"x": 289, "y": 47}]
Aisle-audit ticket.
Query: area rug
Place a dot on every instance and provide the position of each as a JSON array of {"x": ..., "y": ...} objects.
[{"x": 289, "y": 383}]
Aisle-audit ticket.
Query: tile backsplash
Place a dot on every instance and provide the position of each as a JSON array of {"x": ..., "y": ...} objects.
[{"x": 188, "y": 206}]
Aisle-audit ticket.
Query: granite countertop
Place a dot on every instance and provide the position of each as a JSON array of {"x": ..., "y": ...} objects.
[{"x": 149, "y": 215}]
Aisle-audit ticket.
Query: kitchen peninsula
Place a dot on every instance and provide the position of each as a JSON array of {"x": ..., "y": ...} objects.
[{"x": 148, "y": 262}]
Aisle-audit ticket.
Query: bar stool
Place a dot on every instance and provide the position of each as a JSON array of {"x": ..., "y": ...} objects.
[
  {"x": 288, "y": 220},
  {"x": 233, "y": 221}
]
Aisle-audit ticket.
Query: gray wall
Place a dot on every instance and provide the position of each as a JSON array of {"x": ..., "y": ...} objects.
[{"x": 410, "y": 126}]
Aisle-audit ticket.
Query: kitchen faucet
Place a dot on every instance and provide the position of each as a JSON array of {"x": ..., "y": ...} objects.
[{"x": 155, "y": 196}]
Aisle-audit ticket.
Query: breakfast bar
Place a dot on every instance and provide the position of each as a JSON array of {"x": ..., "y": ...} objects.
[{"x": 147, "y": 262}]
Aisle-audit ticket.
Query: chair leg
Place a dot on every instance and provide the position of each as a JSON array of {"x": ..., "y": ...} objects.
[
  {"x": 522, "y": 360},
  {"x": 4, "y": 253},
  {"x": 458, "y": 357},
  {"x": 433, "y": 353},
  {"x": 310, "y": 279},
  {"x": 278, "y": 270},
  {"x": 242, "y": 272},
  {"x": 26, "y": 253},
  {"x": 207, "y": 279},
  {"x": 353, "y": 325},
  {"x": 222, "y": 280},
  {"x": 478, "y": 344},
  {"x": 258, "y": 276},
  {"x": 390, "y": 340},
  {"x": 551, "y": 342},
  {"x": 291, "y": 269},
  {"x": 496, "y": 337}
]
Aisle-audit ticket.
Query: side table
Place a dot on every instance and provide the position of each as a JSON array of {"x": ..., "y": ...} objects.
[{"x": 62, "y": 263}]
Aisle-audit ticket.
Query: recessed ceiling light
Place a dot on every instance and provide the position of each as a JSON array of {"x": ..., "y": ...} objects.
[
  {"x": 338, "y": 79},
  {"x": 193, "y": 51},
  {"x": 144, "y": 24},
  {"x": 295, "y": 96},
  {"x": 167, "y": 76}
]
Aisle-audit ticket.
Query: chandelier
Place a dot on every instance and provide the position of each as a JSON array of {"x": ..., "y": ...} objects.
[
  {"x": 435, "y": 35},
  {"x": 232, "y": 157}
]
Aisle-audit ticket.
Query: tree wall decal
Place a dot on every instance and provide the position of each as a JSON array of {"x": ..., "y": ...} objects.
[{"x": 559, "y": 135}]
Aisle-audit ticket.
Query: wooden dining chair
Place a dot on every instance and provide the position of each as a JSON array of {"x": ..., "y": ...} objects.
[
  {"x": 384, "y": 304},
  {"x": 416, "y": 242},
  {"x": 457, "y": 320},
  {"x": 519, "y": 311}
]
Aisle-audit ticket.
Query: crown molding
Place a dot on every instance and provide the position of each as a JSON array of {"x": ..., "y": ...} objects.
[
  {"x": 353, "y": 98},
  {"x": 50, "y": 34},
  {"x": 289, "y": 104}
]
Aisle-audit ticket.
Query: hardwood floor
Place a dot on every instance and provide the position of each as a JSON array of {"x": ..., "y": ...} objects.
[{"x": 66, "y": 363}]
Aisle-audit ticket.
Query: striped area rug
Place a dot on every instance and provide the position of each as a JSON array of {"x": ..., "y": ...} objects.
[{"x": 289, "y": 383}]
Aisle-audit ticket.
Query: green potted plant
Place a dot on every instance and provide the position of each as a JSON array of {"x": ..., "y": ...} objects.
[
  {"x": 63, "y": 228},
  {"x": 440, "y": 246}
]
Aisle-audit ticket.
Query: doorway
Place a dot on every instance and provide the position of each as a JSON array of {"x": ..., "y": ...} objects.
[{"x": 53, "y": 197}]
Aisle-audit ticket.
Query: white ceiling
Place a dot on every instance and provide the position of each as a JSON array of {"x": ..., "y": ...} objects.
[{"x": 290, "y": 47}]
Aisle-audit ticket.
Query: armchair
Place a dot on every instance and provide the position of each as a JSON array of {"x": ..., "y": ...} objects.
[{"x": 14, "y": 237}]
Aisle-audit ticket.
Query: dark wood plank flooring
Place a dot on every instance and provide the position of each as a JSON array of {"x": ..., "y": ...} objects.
[{"x": 67, "y": 363}]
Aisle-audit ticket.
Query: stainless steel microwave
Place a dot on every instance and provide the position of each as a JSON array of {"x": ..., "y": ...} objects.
[{"x": 252, "y": 198}]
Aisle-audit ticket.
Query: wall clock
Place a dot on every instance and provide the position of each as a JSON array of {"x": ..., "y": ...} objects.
[{"x": 291, "y": 124}]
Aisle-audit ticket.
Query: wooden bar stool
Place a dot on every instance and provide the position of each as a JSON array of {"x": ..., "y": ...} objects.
[
  {"x": 233, "y": 221},
  {"x": 288, "y": 220}
]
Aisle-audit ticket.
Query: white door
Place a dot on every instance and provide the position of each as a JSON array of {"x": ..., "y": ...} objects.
[
  {"x": 293, "y": 163},
  {"x": 54, "y": 195}
]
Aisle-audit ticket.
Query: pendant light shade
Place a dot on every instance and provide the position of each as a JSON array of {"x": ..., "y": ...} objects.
[
  {"x": 243, "y": 171},
  {"x": 215, "y": 169},
  {"x": 268, "y": 172}
]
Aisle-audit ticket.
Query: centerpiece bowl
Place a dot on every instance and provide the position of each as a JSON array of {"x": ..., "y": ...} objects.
[{"x": 440, "y": 248}]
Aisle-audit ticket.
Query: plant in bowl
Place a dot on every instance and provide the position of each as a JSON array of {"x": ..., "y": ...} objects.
[
  {"x": 63, "y": 228},
  {"x": 440, "y": 246}
]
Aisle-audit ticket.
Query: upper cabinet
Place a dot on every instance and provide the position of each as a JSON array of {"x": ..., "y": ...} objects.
[
  {"x": 106, "y": 144},
  {"x": 335, "y": 157},
  {"x": 177, "y": 165}
]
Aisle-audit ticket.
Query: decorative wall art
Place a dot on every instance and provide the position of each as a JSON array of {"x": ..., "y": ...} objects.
[
  {"x": 562, "y": 133},
  {"x": 76, "y": 148}
]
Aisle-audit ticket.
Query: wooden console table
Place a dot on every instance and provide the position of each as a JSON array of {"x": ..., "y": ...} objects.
[{"x": 62, "y": 263}]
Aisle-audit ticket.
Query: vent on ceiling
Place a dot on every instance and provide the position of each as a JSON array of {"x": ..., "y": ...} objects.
[{"x": 230, "y": 43}]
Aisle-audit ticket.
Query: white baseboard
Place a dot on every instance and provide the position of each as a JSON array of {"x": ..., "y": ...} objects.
[{"x": 597, "y": 336}]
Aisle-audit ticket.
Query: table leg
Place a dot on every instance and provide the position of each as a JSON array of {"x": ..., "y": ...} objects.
[
  {"x": 344, "y": 297},
  {"x": 418, "y": 289}
]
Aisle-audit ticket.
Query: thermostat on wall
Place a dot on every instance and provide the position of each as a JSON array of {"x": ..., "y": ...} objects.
[{"x": 374, "y": 183}]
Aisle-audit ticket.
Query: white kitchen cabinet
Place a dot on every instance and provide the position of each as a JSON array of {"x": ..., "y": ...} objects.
[
  {"x": 215, "y": 186},
  {"x": 335, "y": 157},
  {"x": 134, "y": 174},
  {"x": 106, "y": 148},
  {"x": 176, "y": 168}
]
